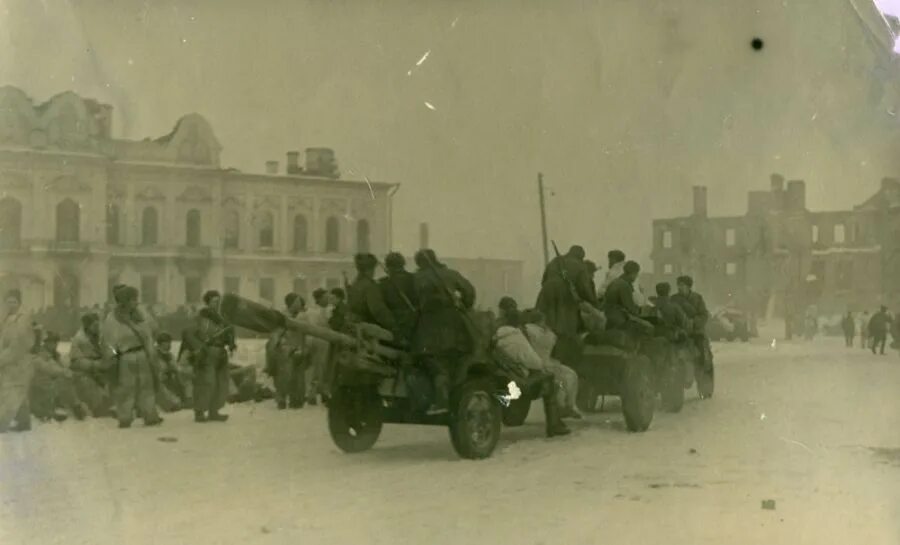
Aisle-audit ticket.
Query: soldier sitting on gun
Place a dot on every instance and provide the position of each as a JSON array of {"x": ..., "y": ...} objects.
[{"x": 365, "y": 302}]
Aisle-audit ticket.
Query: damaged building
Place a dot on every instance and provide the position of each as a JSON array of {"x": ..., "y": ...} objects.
[{"x": 780, "y": 257}]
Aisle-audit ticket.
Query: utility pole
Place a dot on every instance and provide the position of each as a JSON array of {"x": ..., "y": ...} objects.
[{"x": 543, "y": 218}]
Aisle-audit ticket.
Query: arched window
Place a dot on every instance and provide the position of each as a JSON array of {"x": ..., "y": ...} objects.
[
  {"x": 362, "y": 236},
  {"x": 65, "y": 290},
  {"x": 232, "y": 229},
  {"x": 10, "y": 222},
  {"x": 192, "y": 228},
  {"x": 266, "y": 230},
  {"x": 300, "y": 233},
  {"x": 149, "y": 227},
  {"x": 112, "y": 225},
  {"x": 68, "y": 220},
  {"x": 332, "y": 235}
]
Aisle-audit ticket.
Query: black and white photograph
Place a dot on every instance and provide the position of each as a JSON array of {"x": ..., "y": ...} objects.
[{"x": 441, "y": 273}]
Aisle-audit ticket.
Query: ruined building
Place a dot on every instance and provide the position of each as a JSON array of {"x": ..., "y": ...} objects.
[{"x": 780, "y": 256}]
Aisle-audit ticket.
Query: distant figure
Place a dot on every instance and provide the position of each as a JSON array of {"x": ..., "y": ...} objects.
[
  {"x": 879, "y": 326},
  {"x": 848, "y": 324},
  {"x": 863, "y": 327}
]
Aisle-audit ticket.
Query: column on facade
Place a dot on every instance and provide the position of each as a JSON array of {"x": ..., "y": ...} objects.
[
  {"x": 314, "y": 244},
  {"x": 215, "y": 277}
]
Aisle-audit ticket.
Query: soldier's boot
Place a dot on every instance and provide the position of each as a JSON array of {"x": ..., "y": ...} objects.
[
  {"x": 281, "y": 404},
  {"x": 441, "y": 394},
  {"x": 555, "y": 425},
  {"x": 80, "y": 410},
  {"x": 214, "y": 416},
  {"x": 199, "y": 416}
]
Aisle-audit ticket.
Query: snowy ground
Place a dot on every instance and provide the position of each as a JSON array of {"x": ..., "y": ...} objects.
[{"x": 813, "y": 427}]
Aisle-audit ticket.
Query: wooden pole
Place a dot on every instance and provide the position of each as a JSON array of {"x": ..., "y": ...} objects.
[{"x": 543, "y": 218}]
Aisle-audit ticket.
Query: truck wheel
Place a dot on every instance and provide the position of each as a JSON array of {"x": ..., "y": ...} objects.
[
  {"x": 638, "y": 394},
  {"x": 516, "y": 413},
  {"x": 706, "y": 380},
  {"x": 673, "y": 388},
  {"x": 354, "y": 419},
  {"x": 586, "y": 400},
  {"x": 475, "y": 420}
]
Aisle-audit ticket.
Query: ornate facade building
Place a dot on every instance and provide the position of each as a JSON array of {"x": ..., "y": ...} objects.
[
  {"x": 81, "y": 211},
  {"x": 780, "y": 257}
]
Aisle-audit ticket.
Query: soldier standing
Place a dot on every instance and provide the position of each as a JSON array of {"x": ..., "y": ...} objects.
[
  {"x": 130, "y": 338},
  {"x": 285, "y": 360},
  {"x": 90, "y": 361},
  {"x": 441, "y": 336},
  {"x": 565, "y": 284},
  {"x": 211, "y": 339},
  {"x": 16, "y": 364},
  {"x": 694, "y": 307}
]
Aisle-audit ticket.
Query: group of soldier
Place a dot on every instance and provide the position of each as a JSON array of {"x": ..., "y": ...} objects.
[{"x": 120, "y": 366}]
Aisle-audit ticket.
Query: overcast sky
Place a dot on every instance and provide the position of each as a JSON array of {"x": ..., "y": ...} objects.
[{"x": 623, "y": 105}]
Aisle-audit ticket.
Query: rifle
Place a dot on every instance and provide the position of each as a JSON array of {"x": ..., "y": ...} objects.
[
  {"x": 565, "y": 274},
  {"x": 471, "y": 328}
]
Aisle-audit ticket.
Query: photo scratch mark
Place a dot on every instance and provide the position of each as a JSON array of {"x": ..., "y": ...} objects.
[
  {"x": 792, "y": 441},
  {"x": 368, "y": 183},
  {"x": 429, "y": 105}
]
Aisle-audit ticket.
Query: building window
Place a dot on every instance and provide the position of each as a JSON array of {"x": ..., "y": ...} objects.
[
  {"x": 266, "y": 230},
  {"x": 232, "y": 229},
  {"x": 300, "y": 233},
  {"x": 267, "y": 290},
  {"x": 112, "y": 225},
  {"x": 68, "y": 221},
  {"x": 667, "y": 239},
  {"x": 839, "y": 233},
  {"x": 192, "y": 228},
  {"x": 149, "y": 227},
  {"x": 332, "y": 235},
  {"x": 149, "y": 287},
  {"x": 729, "y": 237},
  {"x": 300, "y": 286},
  {"x": 815, "y": 234},
  {"x": 362, "y": 236},
  {"x": 857, "y": 233},
  {"x": 233, "y": 285},
  {"x": 685, "y": 239},
  {"x": 667, "y": 268},
  {"x": 731, "y": 269},
  {"x": 66, "y": 290},
  {"x": 193, "y": 289},
  {"x": 845, "y": 275},
  {"x": 10, "y": 222}
]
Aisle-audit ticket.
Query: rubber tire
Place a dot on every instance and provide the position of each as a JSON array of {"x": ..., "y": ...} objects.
[
  {"x": 460, "y": 434},
  {"x": 339, "y": 418},
  {"x": 516, "y": 413},
  {"x": 638, "y": 394},
  {"x": 672, "y": 394},
  {"x": 706, "y": 381},
  {"x": 586, "y": 400}
]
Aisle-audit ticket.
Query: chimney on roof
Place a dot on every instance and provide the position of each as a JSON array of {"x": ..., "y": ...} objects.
[
  {"x": 423, "y": 235},
  {"x": 293, "y": 162},
  {"x": 321, "y": 162},
  {"x": 795, "y": 198},
  {"x": 271, "y": 167},
  {"x": 700, "y": 201},
  {"x": 777, "y": 181}
]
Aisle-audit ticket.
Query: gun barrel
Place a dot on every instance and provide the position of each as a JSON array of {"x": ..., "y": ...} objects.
[{"x": 261, "y": 319}]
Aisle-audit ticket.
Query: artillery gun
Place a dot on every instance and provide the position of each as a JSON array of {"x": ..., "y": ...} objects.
[{"x": 375, "y": 381}]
